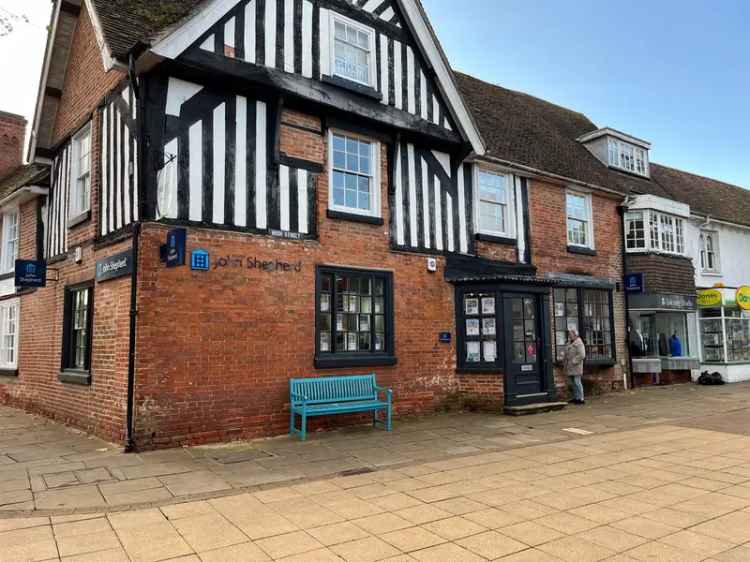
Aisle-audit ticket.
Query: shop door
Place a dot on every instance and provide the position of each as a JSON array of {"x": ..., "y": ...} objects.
[{"x": 524, "y": 383}]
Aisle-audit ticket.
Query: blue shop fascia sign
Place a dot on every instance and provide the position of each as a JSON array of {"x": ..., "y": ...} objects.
[
  {"x": 635, "y": 283},
  {"x": 31, "y": 273}
]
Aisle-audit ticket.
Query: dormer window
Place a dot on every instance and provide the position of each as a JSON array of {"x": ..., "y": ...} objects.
[
  {"x": 627, "y": 157},
  {"x": 618, "y": 150}
]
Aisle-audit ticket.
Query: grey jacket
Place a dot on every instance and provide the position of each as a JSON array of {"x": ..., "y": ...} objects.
[{"x": 575, "y": 354}]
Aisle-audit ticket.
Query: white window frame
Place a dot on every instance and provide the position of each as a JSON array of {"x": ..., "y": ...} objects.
[
  {"x": 629, "y": 219},
  {"x": 510, "y": 207},
  {"x": 8, "y": 258},
  {"x": 590, "y": 243},
  {"x": 703, "y": 252},
  {"x": 615, "y": 148},
  {"x": 654, "y": 234},
  {"x": 371, "y": 62},
  {"x": 5, "y": 308},
  {"x": 77, "y": 206},
  {"x": 375, "y": 201}
]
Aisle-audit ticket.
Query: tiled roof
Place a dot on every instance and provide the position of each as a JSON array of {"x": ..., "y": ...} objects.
[
  {"x": 32, "y": 174},
  {"x": 125, "y": 22}
]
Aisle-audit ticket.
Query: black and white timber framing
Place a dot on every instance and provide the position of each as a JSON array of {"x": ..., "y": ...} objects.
[
  {"x": 218, "y": 165},
  {"x": 119, "y": 168},
  {"x": 294, "y": 36},
  {"x": 58, "y": 200}
]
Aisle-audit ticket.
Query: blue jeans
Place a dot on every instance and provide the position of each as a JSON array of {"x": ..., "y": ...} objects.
[{"x": 577, "y": 386}]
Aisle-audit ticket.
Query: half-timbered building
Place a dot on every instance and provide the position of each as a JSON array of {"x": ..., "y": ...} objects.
[{"x": 247, "y": 191}]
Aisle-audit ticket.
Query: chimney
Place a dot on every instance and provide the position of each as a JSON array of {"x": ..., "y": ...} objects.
[{"x": 12, "y": 133}]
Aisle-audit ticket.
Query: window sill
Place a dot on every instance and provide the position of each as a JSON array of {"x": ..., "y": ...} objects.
[
  {"x": 581, "y": 250},
  {"x": 480, "y": 371},
  {"x": 361, "y": 89},
  {"x": 712, "y": 274},
  {"x": 354, "y": 217},
  {"x": 79, "y": 219},
  {"x": 9, "y": 275},
  {"x": 8, "y": 373},
  {"x": 496, "y": 239},
  {"x": 71, "y": 376},
  {"x": 342, "y": 362}
]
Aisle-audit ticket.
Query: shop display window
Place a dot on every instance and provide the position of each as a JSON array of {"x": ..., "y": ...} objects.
[
  {"x": 725, "y": 335},
  {"x": 658, "y": 334}
]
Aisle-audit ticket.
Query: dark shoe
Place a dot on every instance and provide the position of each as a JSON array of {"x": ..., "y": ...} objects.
[
  {"x": 574, "y": 401},
  {"x": 581, "y": 402}
]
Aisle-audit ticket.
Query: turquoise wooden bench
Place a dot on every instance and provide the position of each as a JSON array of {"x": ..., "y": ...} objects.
[{"x": 337, "y": 395}]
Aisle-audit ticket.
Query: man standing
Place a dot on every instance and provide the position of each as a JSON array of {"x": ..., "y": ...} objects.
[{"x": 575, "y": 354}]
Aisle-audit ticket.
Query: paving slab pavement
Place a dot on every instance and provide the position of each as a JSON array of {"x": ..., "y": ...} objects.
[{"x": 47, "y": 468}]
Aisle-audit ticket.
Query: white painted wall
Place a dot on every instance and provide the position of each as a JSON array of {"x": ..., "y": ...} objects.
[{"x": 734, "y": 248}]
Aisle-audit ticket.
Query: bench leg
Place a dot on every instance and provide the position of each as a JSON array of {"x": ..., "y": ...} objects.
[
  {"x": 303, "y": 433},
  {"x": 388, "y": 425}
]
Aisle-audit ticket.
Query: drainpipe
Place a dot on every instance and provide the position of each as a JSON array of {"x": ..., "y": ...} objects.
[
  {"x": 621, "y": 211},
  {"x": 130, "y": 429}
]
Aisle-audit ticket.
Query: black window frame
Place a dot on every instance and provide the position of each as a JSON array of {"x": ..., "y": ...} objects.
[
  {"x": 462, "y": 365},
  {"x": 333, "y": 359},
  {"x": 68, "y": 371},
  {"x": 580, "y": 291}
]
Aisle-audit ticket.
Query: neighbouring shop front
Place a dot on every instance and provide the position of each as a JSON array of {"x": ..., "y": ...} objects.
[
  {"x": 724, "y": 331},
  {"x": 662, "y": 338}
]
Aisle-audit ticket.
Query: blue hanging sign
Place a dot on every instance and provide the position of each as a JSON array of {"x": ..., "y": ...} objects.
[
  {"x": 199, "y": 260},
  {"x": 31, "y": 273},
  {"x": 635, "y": 283},
  {"x": 175, "y": 251}
]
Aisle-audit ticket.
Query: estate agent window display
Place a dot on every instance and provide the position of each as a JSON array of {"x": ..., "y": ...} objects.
[
  {"x": 590, "y": 313},
  {"x": 725, "y": 334}
]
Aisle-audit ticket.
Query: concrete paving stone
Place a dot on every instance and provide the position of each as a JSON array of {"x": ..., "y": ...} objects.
[
  {"x": 338, "y": 533},
  {"x": 739, "y": 554},
  {"x": 154, "y": 495},
  {"x": 13, "y": 524},
  {"x": 321, "y": 555},
  {"x": 112, "y": 555},
  {"x": 72, "y": 545},
  {"x": 423, "y": 514},
  {"x": 75, "y": 497},
  {"x": 116, "y": 488},
  {"x": 494, "y": 518},
  {"x": 34, "y": 551},
  {"x": 454, "y": 528},
  {"x": 645, "y": 528},
  {"x": 15, "y": 484},
  {"x": 157, "y": 541},
  {"x": 59, "y": 479},
  {"x": 395, "y": 501},
  {"x": 446, "y": 552},
  {"x": 72, "y": 518},
  {"x": 660, "y": 552},
  {"x": 681, "y": 519},
  {"x": 29, "y": 535},
  {"x": 208, "y": 531},
  {"x": 191, "y": 483},
  {"x": 371, "y": 549},
  {"x": 566, "y": 523},
  {"x": 733, "y": 528},
  {"x": 532, "y": 555},
  {"x": 187, "y": 509},
  {"x": 306, "y": 516},
  {"x": 576, "y": 549},
  {"x": 460, "y": 506},
  {"x": 84, "y": 527},
  {"x": 530, "y": 533},
  {"x": 277, "y": 494},
  {"x": 93, "y": 475},
  {"x": 17, "y": 496},
  {"x": 154, "y": 469},
  {"x": 128, "y": 520},
  {"x": 612, "y": 538},
  {"x": 260, "y": 526},
  {"x": 413, "y": 538},
  {"x": 354, "y": 508},
  {"x": 244, "y": 552},
  {"x": 280, "y": 546},
  {"x": 698, "y": 543},
  {"x": 491, "y": 545},
  {"x": 382, "y": 523}
]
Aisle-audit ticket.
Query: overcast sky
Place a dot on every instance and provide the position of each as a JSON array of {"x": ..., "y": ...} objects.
[{"x": 673, "y": 72}]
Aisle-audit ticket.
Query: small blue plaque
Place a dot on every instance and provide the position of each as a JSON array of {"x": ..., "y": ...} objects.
[{"x": 199, "y": 260}]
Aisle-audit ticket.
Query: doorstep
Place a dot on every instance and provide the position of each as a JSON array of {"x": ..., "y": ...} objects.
[{"x": 538, "y": 408}]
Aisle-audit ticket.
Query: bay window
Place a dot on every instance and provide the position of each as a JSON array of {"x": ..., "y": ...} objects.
[
  {"x": 655, "y": 231},
  {"x": 354, "y": 318}
]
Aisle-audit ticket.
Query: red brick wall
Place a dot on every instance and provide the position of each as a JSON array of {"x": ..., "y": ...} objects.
[
  {"x": 549, "y": 254},
  {"x": 12, "y": 134},
  {"x": 99, "y": 408},
  {"x": 86, "y": 80},
  {"x": 216, "y": 349}
]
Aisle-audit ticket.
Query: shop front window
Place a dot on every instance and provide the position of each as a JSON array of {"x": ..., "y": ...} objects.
[
  {"x": 588, "y": 311},
  {"x": 658, "y": 334},
  {"x": 712, "y": 335},
  {"x": 737, "y": 334},
  {"x": 354, "y": 318}
]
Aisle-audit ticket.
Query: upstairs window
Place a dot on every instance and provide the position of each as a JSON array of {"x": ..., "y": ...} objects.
[
  {"x": 627, "y": 157},
  {"x": 709, "y": 249},
  {"x": 9, "y": 242},
  {"x": 80, "y": 174},
  {"x": 651, "y": 230},
  {"x": 354, "y": 186},
  {"x": 635, "y": 231},
  {"x": 494, "y": 204},
  {"x": 352, "y": 51},
  {"x": 579, "y": 219}
]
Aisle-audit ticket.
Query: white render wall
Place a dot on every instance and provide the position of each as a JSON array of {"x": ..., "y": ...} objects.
[{"x": 734, "y": 254}]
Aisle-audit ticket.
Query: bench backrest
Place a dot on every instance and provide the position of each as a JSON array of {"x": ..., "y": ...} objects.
[{"x": 335, "y": 389}]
